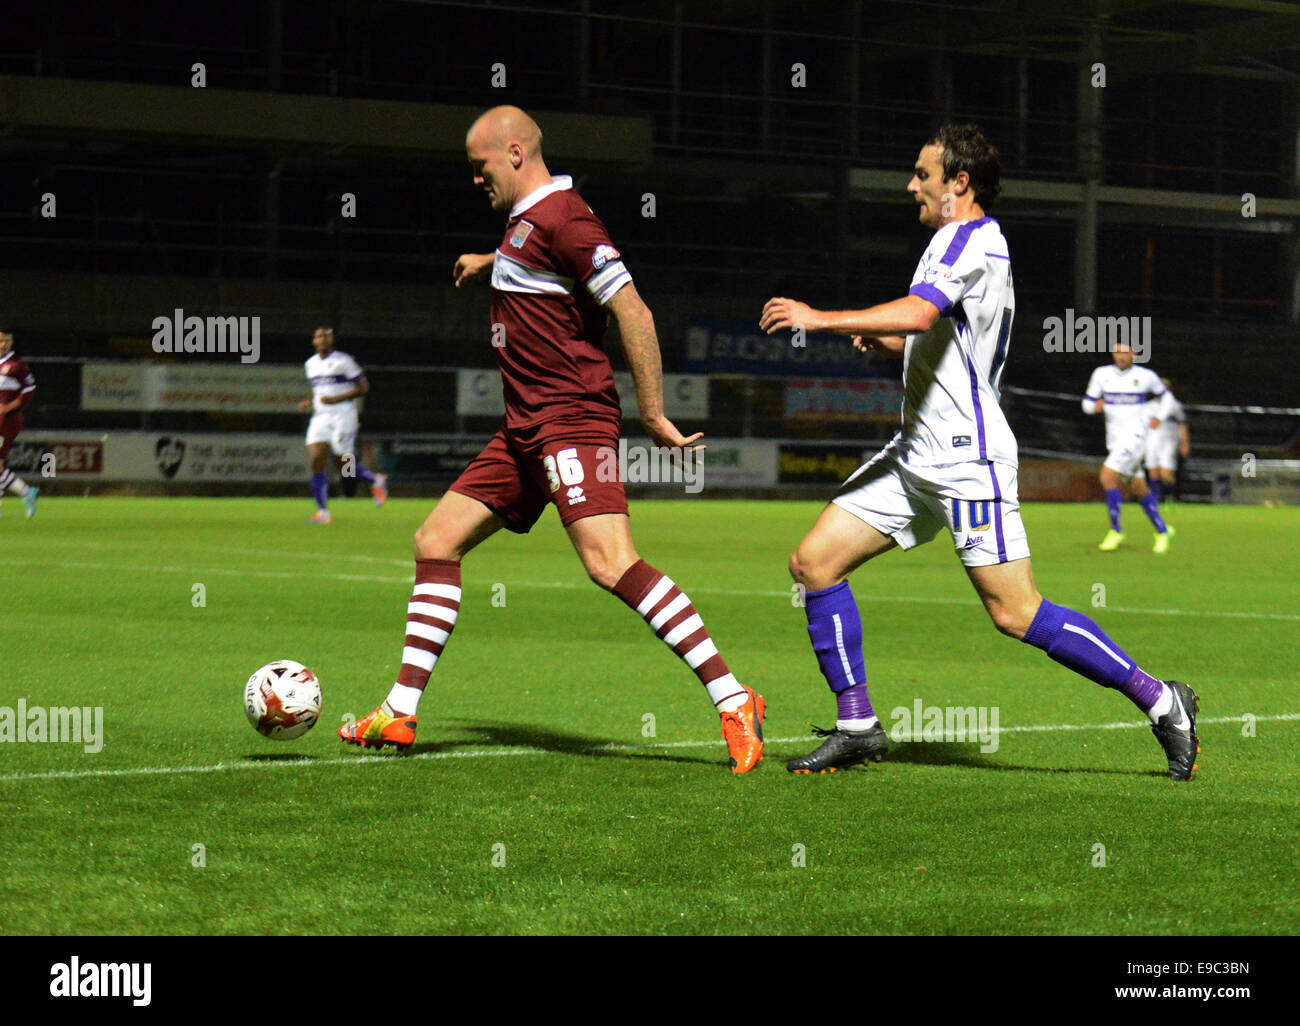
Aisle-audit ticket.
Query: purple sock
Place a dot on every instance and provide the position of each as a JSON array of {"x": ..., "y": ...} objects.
[
  {"x": 320, "y": 490},
  {"x": 1113, "y": 498},
  {"x": 853, "y": 703},
  {"x": 1149, "y": 507},
  {"x": 835, "y": 628},
  {"x": 1076, "y": 642},
  {"x": 364, "y": 474}
]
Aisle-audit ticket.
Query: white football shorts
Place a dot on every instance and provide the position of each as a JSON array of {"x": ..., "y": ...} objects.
[
  {"x": 976, "y": 500},
  {"x": 1162, "y": 450},
  {"x": 1127, "y": 459},
  {"x": 338, "y": 428}
]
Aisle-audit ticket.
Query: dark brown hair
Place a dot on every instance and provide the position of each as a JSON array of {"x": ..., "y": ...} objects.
[{"x": 966, "y": 149}]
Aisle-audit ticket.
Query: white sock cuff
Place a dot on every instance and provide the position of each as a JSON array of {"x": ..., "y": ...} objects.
[
  {"x": 723, "y": 687},
  {"x": 403, "y": 698}
]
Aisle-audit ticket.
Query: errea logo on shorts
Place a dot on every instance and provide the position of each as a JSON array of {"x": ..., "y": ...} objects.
[{"x": 575, "y": 495}]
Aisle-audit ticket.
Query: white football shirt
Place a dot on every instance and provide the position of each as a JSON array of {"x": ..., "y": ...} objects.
[
  {"x": 333, "y": 374},
  {"x": 1171, "y": 414},
  {"x": 1129, "y": 396},
  {"x": 953, "y": 372}
]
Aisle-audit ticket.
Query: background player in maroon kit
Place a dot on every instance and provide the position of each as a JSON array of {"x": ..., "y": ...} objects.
[
  {"x": 553, "y": 277},
  {"x": 17, "y": 386}
]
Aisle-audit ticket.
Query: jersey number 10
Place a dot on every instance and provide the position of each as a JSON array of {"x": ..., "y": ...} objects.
[{"x": 977, "y": 513}]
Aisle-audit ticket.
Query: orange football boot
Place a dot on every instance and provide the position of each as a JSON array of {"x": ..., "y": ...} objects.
[
  {"x": 743, "y": 730},
  {"x": 379, "y": 729}
]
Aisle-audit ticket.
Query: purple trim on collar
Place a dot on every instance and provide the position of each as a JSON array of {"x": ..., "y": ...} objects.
[{"x": 960, "y": 239}]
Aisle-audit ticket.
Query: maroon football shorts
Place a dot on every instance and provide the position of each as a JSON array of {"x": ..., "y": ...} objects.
[
  {"x": 516, "y": 482},
  {"x": 10, "y": 425}
]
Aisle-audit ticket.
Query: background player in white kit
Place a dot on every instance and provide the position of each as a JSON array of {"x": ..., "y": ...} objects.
[
  {"x": 1166, "y": 444},
  {"x": 336, "y": 382},
  {"x": 953, "y": 463},
  {"x": 1128, "y": 396}
]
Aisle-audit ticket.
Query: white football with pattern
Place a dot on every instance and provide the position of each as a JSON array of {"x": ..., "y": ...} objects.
[{"x": 282, "y": 700}]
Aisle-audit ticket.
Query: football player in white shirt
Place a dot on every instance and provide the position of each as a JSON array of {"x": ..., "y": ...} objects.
[
  {"x": 1128, "y": 395},
  {"x": 1166, "y": 444},
  {"x": 952, "y": 464},
  {"x": 336, "y": 381}
]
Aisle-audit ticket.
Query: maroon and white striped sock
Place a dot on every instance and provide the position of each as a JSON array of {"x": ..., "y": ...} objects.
[
  {"x": 670, "y": 614},
  {"x": 430, "y": 617},
  {"x": 9, "y": 481}
]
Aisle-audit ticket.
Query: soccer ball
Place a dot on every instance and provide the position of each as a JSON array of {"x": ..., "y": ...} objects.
[{"x": 282, "y": 700}]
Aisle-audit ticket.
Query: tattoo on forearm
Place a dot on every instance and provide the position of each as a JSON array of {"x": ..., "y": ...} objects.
[{"x": 641, "y": 349}]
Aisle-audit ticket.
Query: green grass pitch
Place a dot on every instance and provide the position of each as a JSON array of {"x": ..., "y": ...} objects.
[{"x": 535, "y": 801}]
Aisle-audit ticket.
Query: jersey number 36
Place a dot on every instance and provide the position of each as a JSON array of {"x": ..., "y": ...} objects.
[{"x": 563, "y": 468}]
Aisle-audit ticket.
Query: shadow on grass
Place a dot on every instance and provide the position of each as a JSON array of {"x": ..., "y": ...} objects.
[
  {"x": 491, "y": 734},
  {"x": 951, "y": 753},
  {"x": 280, "y": 757}
]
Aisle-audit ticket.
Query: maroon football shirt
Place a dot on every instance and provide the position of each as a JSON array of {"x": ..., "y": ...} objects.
[
  {"x": 16, "y": 381},
  {"x": 554, "y": 269}
]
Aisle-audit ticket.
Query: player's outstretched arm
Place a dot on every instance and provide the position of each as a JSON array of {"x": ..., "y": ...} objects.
[
  {"x": 636, "y": 329},
  {"x": 472, "y": 267},
  {"x": 909, "y": 315}
]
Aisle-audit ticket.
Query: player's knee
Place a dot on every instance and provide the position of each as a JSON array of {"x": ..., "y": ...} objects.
[
  {"x": 1013, "y": 621},
  {"x": 602, "y": 573},
  {"x": 600, "y": 576},
  {"x": 429, "y": 544},
  {"x": 806, "y": 570},
  {"x": 605, "y": 572},
  {"x": 1006, "y": 621}
]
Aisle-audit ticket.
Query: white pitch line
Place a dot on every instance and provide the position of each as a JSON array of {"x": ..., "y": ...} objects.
[
  {"x": 307, "y": 762},
  {"x": 585, "y": 586},
  {"x": 204, "y": 571}
]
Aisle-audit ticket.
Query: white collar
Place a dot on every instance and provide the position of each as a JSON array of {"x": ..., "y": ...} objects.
[{"x": 558, "y": 183}]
